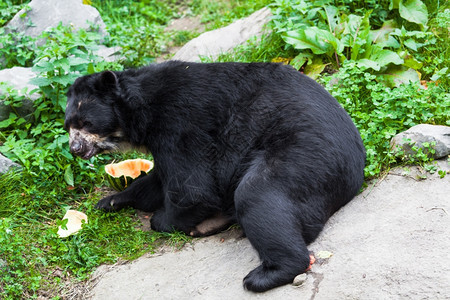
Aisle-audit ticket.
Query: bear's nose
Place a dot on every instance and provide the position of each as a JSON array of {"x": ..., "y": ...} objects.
[{"x": 76, "y": 147}]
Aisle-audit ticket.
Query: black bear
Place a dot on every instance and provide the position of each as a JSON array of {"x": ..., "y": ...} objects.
[{"x": 259, "y": 144}]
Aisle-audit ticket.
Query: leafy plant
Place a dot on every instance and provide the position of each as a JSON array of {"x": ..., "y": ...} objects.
[
  {"x": 16, "y": 49},
  {"x": 13, "y": 99},
  {"x": 8, "y": 8},
  {"x": 380, "y": 112},
  {"x": 339, "y": 34},
  {"x": 414, "y": 11},
  {"x": 41, "y": 145}
]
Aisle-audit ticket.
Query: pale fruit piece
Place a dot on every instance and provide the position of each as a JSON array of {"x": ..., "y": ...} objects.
[
  {"x": 73, "y": 224},
  {"x": 121, "y": 175}
]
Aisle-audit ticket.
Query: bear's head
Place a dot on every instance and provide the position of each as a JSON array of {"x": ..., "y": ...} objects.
[{"x": 91, "y": 117}]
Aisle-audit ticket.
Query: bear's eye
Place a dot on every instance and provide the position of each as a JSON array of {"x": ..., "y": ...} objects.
[{"x": 83, "y": 123}]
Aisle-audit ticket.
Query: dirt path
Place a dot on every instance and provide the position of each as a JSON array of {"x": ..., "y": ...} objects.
[{"x": 390, "y": 242}]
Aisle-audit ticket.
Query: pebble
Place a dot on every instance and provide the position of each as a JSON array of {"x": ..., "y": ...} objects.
[{"x": 299, "y": 279}]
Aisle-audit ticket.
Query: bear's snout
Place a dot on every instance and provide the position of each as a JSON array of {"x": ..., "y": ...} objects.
[
  {"x": 83, "y": 143},
  {"x": 76, "y": 147}
]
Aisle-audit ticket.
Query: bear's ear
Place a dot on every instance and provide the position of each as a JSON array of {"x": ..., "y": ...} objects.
[{"x": 108, "y": 80}]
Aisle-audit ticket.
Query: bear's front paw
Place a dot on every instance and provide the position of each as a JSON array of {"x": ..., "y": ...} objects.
[{"x": 109, "y": 204}]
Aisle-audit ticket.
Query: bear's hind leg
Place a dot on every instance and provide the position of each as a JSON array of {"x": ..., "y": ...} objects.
[{"x": 268, "y": 220}]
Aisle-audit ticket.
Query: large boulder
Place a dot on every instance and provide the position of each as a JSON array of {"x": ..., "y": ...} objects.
[
  {"x": 44, "y": 14},
  {"x": 421, "y": 134},
  {"x": 6, "y": 164},
  {"x": 18, "y": 78},
  {"x": 215, "y": 42}
]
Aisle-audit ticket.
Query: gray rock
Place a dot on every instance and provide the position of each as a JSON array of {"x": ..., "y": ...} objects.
[
  {"x": 424, "y": 133},
  {"x": 18, "y": 78},
  {"x": 44, "y": 14},
  {"x": 215, "y": 42},
  {"x": 6, "y": 164}
]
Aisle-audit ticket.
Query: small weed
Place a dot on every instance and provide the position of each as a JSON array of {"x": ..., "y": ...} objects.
[{"x": 181, "y": 37}]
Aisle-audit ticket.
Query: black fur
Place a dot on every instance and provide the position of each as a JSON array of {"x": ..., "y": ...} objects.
[{"x": 260, "y": 143}]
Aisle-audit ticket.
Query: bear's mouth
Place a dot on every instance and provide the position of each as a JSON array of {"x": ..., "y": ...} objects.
[
  {"x": 90, "y": 152},
  {"x": 84, "y": 144}
]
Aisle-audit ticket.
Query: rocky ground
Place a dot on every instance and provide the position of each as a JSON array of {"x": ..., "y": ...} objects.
[{"x": 391, "y": 242}]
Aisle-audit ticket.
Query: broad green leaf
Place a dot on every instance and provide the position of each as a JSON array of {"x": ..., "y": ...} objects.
[
  {"x": 414, "y": 11},
  {"x": 397, "y": 75},
  {"x": 352, "y": 25},
  {"x": 370, "y": 64},
  {"x": 332, "y": 17},
  {"x": 43, "y": 66},
  {"x": 385, "y": 57},
  {"x": 11, "y": 120},
  {"x": 90, "y": 68},
  {"x": 303, "y": 57},
  {"x": 411, "y": 62},
  {"x": 439, "y": 74},
  {"x": 75, "y": 61},
  {"x": 62, "y": 63},
  {"x": 62, "y": 101},
  {"x": 411, "y": 44},
  {"x": 40, "y": 81},
  {"x": 382, "y": 37},
  {"x": 382, "y": 34},
  {"x": 390, "y": 43},
  {"x": 317, "y": 40},
  {"x": 314, "y": 69},
  {"x": 357, "y": 35},
  {"x": 65, "y": 79},
  {"x": 394, "y": 4},
  {"x": 68, "y": 175}
]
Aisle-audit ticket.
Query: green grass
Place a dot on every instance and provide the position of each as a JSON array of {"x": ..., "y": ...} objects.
[
  {"x": 216, "y": 14},
  {"x": 30, "y": 213}
]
